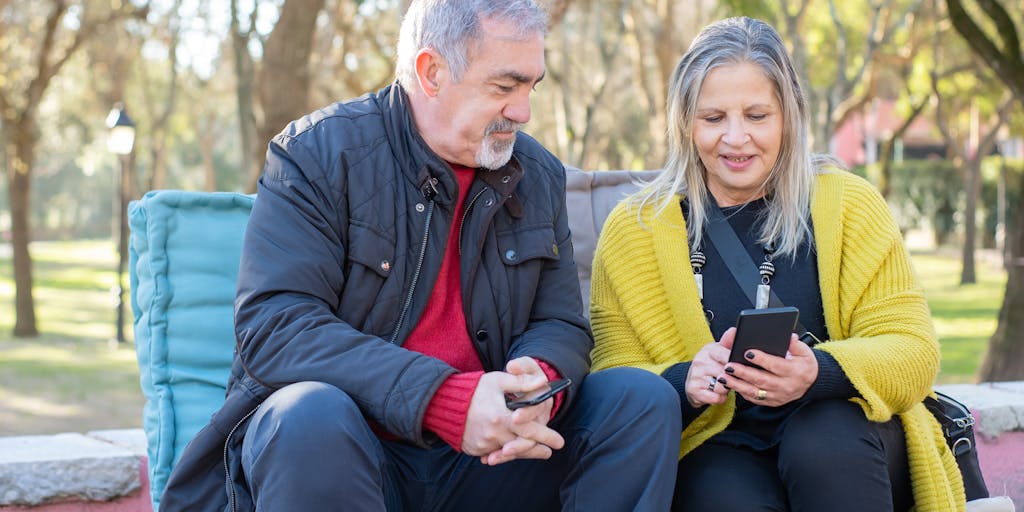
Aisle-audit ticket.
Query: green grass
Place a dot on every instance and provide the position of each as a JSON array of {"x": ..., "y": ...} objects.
[
  {"x": 965, "y": 316},
  {"x": 71, "y": 379}
]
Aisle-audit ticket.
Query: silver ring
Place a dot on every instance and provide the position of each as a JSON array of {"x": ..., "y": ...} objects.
[
  {"x": 712, "y": 384},
  {"x": 762, "y": 394}
]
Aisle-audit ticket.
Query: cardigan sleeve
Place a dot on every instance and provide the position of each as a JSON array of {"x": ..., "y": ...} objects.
[{"x": 616, "y": 342}]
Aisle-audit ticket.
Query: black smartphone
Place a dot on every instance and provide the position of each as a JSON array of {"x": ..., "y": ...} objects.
[
  {"x": 554, "y": 386},
  {"x": 768, "y": 330}
]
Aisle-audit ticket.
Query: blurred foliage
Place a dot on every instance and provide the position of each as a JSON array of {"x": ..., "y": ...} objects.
[
  {"x": 926, "y": 195},
  {"x": 601, "y": 107}
]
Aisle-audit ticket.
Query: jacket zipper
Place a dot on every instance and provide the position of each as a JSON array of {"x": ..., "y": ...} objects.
[
  {"x": 466, "y": 305},
  {"x": 465, "y": 213},
  {"x": 419, "y": 263},
  {"x": 227, "y": 467}
]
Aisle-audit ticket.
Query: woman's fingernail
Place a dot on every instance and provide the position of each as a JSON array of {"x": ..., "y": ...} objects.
[
  {"x": 721, "y": 380},
  {"x": 729, "y": 369},
  {"x": 749, "y": 355}
]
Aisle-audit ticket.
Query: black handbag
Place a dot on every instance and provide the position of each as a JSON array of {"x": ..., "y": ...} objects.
[
  {"x": 954, "y": 417},
  {"x": 957, "y": 424}
]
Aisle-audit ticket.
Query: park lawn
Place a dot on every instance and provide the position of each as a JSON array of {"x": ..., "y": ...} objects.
[
  {"x": 72, "y": 379},
  {"x": 965, "y": 316}
]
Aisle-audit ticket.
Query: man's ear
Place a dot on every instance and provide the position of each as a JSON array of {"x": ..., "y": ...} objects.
[{"x": 431, "y": 71}]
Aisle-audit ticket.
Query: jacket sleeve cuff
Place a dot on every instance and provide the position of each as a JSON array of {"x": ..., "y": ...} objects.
[
  {"x": 832, "y": 381},
  {"x": 552, "y": 374},
  {"x": 446, "y": 412},
  {"x": 676, "y": 376}
]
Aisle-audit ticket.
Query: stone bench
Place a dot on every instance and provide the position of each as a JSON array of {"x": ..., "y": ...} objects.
[{"x": 105, "y": 471}]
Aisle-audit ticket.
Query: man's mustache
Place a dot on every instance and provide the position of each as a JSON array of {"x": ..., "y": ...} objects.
[{"x": 503, "y": 125}]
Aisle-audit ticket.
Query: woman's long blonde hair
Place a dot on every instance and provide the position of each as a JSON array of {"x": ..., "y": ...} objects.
[{"x": 728, "y": 42}]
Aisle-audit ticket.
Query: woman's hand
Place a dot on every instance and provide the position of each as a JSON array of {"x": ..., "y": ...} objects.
[
  {"x": 781, "y": 379},
  {"x": 705, "y": 380}
]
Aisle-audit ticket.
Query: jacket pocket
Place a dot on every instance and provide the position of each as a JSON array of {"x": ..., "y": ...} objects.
[
  {"x": 525, "y": 252},
  {"x": 527, "y": 244},
  {"x": 371, "y": 250}
]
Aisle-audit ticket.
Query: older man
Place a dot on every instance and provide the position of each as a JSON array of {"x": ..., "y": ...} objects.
[{"x": 407, "y": 272}]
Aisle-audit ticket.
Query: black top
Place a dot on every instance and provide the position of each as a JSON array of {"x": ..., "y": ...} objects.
[{"x": 795, "y": 282}]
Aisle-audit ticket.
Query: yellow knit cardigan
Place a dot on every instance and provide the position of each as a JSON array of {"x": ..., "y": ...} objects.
[{"x": 645, "y": 313}]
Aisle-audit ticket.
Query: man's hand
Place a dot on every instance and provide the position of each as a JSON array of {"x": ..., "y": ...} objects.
[{"x": 498, "y": 435}]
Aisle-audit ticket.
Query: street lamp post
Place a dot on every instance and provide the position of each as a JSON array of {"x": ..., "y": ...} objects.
[{"x": 121, "y": 141}]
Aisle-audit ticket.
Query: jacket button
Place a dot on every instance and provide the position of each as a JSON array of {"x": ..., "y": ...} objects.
[
  {"x": 420, "y": 207},
  {"x": 510, "y": 255},
  {"x": 506, "y": 178},
  {"x": 385, "y": 266},
  {"x": 482, "y": 335},
  {"x": 488, "y": 202}
]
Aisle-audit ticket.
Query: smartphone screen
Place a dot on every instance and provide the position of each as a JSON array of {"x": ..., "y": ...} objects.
[{"x": 766, "y": 329}]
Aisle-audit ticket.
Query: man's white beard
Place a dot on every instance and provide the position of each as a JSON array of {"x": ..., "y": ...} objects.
[{"x": 494, "y": 153}]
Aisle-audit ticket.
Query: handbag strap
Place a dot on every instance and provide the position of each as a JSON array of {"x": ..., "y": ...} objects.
[{"x": 741, "y": 265}]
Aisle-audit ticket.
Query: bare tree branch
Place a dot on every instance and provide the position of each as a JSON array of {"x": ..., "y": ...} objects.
[
  {"x": 1005, "y": 28},
  {"x": 1006, "y": 65}
]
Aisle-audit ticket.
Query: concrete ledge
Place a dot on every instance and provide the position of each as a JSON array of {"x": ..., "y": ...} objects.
[
  {"x": 99, "y": 467},
  {"x": 997, "y": 406}
]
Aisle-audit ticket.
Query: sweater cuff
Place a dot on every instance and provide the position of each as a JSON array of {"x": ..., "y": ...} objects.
[
  {"x": 676, "y": 376},
  {"x": 552, "y": 375},
  {"x": 446, "y": 412},
  {"x": 832, "y": 381}
]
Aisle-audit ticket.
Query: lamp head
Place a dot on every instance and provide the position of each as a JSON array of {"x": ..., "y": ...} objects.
[{"x": 122, "y": 131}]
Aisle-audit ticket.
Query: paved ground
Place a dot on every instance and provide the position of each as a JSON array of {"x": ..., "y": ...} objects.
[{"x": 999, "y": 409}]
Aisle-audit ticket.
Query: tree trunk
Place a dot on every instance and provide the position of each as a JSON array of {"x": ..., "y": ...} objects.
[
  {"x": 21, "y": 151},
  {"x": 284, "y": 76},
  {"x": 973, "y": 191},
  {"x": 1005, "y": 357},
  {"x": 244, "y": 80},
  {"x": 209, "y": 170}
]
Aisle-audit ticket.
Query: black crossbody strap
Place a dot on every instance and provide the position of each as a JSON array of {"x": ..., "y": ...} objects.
[{"x": 737, "y": 259}]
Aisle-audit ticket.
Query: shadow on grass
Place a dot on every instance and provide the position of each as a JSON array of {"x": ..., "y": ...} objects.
[
  {"x": 57, "y": 384},
  {"x": 67, "y": 275}
]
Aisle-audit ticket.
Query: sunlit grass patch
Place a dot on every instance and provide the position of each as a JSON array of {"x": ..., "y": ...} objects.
[
  {"x": 70, "y": 378},
  {"x": 965, "y": 316}
]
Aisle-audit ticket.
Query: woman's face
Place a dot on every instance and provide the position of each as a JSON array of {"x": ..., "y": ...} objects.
[{"x": 737, "y": 131}]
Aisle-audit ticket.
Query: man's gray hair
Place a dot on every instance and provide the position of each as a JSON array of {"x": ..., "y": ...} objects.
[{"x": 452, "y": 27}]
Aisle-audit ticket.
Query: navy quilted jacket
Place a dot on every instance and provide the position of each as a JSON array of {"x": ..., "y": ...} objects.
[{"x": 340, "y": 255}]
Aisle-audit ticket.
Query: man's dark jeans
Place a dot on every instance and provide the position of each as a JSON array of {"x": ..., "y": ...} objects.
[{"x": 309, "y": 448}]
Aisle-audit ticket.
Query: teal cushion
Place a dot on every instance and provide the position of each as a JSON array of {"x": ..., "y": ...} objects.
[{"x": 183, "y": 260}]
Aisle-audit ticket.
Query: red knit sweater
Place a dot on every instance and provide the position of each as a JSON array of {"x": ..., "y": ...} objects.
[{"x": 441, "y": 332}]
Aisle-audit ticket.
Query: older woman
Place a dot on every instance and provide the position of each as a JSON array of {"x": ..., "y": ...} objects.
[{"x": 839, "y": 426}]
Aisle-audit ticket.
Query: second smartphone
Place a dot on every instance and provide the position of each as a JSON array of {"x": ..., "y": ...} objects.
[{"x": 768, "y": 330}]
